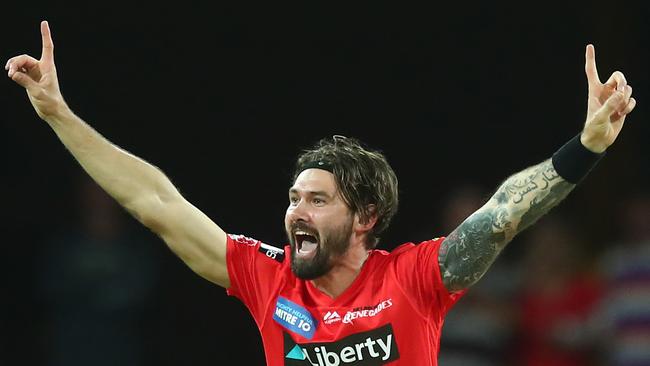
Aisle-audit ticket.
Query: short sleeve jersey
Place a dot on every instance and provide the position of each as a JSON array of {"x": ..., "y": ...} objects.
[{"x": 392, "y": 314}]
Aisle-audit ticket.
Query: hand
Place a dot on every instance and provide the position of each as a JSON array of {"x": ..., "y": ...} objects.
[
  {"x": 607, "y": 106},
  {"x": 38, "y": 77}
]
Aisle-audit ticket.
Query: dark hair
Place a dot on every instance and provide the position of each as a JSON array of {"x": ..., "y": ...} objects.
[{"x": 366, "y": 181}]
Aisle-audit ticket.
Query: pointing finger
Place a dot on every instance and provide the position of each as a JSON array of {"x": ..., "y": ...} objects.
[
  {"x": 48, "y": 45},
  {"x": 590, "y": 66}
]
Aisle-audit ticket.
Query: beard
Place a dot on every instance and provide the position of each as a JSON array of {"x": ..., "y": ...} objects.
[{"x": 331, "y": 245}]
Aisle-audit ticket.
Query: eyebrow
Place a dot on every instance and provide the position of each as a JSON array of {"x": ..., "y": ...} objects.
[{"x": 311, "y": 193}]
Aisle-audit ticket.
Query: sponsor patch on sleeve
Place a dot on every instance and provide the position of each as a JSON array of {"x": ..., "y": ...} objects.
[
  {"x": 272, "y": 252},
  {"x": 241, "y": 239}
]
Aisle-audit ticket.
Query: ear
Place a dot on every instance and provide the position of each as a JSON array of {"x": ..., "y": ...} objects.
[{"x": 369, "y": 222}]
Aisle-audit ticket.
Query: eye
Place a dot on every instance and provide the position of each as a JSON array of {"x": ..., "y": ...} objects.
[
  {"x": 293, "y": 200},
  {"x": 318, "y": 201}
]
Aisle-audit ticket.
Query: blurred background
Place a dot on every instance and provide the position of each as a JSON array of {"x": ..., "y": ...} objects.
[{"x": 223, "y": 97}]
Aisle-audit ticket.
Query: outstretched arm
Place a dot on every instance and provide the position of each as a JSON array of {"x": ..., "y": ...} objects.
[
  {"x": 468, "y": 251},
  {"x": 138, "y": 186}
]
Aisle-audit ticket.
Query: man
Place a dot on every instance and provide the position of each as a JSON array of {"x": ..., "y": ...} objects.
[{"x": 330, "y": 298}]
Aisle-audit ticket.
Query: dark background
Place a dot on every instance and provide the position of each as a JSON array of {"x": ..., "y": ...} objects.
[{"x": 223, "y": 97}]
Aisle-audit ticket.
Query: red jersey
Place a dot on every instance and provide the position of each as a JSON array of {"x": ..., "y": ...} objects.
[{"x": 392, "y": 314}]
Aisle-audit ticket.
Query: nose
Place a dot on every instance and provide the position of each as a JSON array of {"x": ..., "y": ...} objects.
[{"x": 297, "y": 212}]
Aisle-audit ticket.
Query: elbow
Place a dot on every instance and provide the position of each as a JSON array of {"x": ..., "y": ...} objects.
[
  {"x": 461, "y": 282},
  {"x": 152, "y": 210}
]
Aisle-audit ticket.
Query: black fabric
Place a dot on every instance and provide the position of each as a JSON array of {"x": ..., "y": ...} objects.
[
  {"x": 318, "y": 164},
  {"x": 573, "y": 161}
]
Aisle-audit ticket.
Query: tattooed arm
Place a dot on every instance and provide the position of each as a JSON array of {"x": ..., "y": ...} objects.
[{"x": 467, "y": 253}]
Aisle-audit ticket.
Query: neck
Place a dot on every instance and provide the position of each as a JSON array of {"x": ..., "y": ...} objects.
[{"x": 345, "y": 271}]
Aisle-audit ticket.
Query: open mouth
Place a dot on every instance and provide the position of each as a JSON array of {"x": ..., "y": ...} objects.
[{"x": 306, "y": 244}]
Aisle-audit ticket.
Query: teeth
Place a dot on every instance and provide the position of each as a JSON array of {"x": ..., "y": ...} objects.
[{"x": 299, "y": 232}]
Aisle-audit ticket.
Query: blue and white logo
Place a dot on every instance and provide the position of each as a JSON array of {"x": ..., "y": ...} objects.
[{"x": 294, "y": 317}]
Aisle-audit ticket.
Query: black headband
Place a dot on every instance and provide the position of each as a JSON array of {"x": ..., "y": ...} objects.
[{"x": 318, "y": 164}]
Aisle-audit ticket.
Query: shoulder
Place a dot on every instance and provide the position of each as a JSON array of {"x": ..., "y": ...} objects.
[
  {"x": 409, "y": 252},
  {"x": 411, "y": 248},
  {"x": 242, "y": 245}
]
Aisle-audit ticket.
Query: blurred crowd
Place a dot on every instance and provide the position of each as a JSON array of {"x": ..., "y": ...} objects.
[
  {"x": 551, "y": 298},
  {"x": 555, "y": 298}
]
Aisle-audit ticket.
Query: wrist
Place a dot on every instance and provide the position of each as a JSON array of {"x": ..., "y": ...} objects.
[
  {"x": 592, "y": 144},
  {"x": 573, "y": 161},
  {"x": 58, "y": 114}
]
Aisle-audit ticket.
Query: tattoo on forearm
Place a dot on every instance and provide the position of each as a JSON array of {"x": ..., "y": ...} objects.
[{"x": 522, "y": 199}]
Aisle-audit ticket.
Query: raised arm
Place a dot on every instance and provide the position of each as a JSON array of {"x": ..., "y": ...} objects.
[
  {"x": 138, "y": 186},
  {"x": 468, "y": 251}
]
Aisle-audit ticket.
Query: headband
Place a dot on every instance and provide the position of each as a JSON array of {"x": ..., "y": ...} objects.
[{"x": 317, "y": 164}]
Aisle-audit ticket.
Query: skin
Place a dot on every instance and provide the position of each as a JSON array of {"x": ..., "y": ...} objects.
[
  {"x": 469, "y": 250},
  {"x": 145, "y": 191},
  {"x": 315, "y": 207},
  {"x": 315, "y": 202},
  {"x": 141, "y": 188}
]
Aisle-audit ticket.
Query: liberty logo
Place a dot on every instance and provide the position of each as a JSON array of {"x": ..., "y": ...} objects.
[{"x": 372, "y": 348}]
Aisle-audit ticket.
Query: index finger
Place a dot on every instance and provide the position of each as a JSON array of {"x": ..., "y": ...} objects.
[
  {"x": 590, "y": 65},
  {"x": 48, "y": 45}
]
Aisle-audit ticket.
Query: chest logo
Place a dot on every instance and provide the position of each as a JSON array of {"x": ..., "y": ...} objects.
[
  {"x": 366, "y": 311},
  {"x": 331, "y": 317},
  {"x": 371, "y": 348},
  {"x": 294, "y": 318}
]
